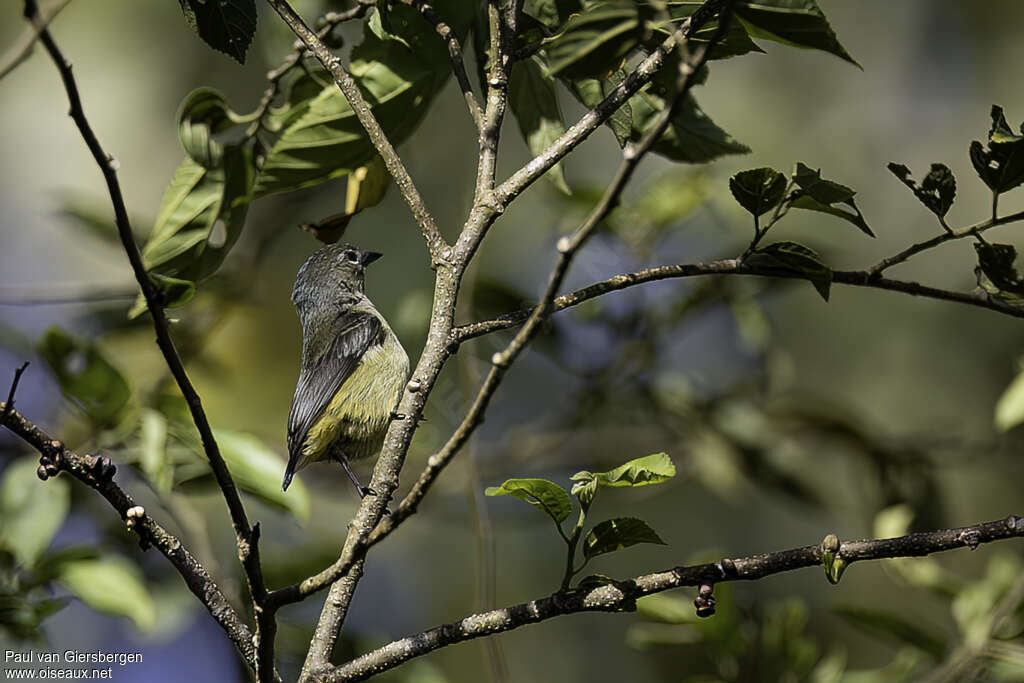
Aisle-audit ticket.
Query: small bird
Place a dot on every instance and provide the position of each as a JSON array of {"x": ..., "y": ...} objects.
[{"x": 353, "y": 366}]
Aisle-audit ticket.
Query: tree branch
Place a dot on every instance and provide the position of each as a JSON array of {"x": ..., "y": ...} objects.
[
  {"x": 247, "y": 546},
  {"x": 97, "y": 473},
  {"x": 621, "y": 596},
  {"x": 855, "y": 278},
  {"x": 349, "y": 88}
]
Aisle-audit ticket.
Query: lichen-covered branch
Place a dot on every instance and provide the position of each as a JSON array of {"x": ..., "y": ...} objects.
[
  {"x": 97, "y": 473},
  {"x": 621, "y": 596}
]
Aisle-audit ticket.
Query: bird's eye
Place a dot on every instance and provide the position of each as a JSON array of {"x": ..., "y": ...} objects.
[{"x": 351, "y": 256}]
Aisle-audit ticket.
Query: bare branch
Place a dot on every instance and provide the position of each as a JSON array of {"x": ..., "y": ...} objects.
[
  {"x": 621, "y": 596},
  {"x": 969, "y": 231},
  {"x": 855, "y": 278},
  {"x": 97, "y": 473},
  {"x": 348, "y": 87}
]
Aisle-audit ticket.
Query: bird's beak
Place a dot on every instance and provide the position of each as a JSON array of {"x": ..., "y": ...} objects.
[{"x": 370, "y": 256}]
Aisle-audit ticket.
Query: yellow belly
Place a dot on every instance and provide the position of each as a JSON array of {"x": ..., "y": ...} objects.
[{"x": 354, "y": 422}]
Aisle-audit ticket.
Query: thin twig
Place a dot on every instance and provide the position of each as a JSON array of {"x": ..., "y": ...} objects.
[
  {"x": 621, "y": 596},
  {"x": 855, "y": 278},
  {"x": 455, "y": 55},
  {"x": 29, "y": 38},
  {"x": 9, "y": 405},
  {"x": 86, "y": 469},
  {"x": 361, "y": 108},
  {"x": 969, "y": 231}
]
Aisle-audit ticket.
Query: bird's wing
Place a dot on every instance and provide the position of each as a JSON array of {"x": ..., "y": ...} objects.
[{"x": 322, "y": 375}]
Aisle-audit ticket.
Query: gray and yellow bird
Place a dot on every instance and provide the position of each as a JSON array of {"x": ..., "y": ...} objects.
[{"x": 353, "y": 366}]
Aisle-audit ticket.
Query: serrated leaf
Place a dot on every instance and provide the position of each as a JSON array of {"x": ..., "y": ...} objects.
[
  {"x": 225, "y": 25},
  {"x": 111, "y": 585},
  {"x": 257, "y": 470},
  {"x": 1010, "y": 407},
  {"x": 790, "y": 258},
  {"x": 937, "y": 190},
  {"x": 33, "y": 511},
  {"x": 612, "y": 535},
  {"x": 799, "y": 23},
  {"x": 817, "y": 194},
  {"x": 758, "y": 190},
  {"x": 595, "y": 41},
  {"x": 85, "y": 376},
  {"x": 540, "y": 493},
  {"x": 201, "y": 216},
  {"x": 894, "y": 626},
  {"x": 691, "y": 136},
  {"x": 533, "y": 100},
  {"x": 1000, "y": 164}
]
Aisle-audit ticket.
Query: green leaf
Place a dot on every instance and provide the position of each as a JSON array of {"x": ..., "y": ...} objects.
[
  {"x": 759, "y": 190},
  {"x": 792, "y": 259},
  {"x": 111, "y": 585},
  {"x": 818, "y": 194},
  {"x": 540, "y": 493},
  {"x": 551, "y": 13},
  {"x": 615, "y": 534},
  {"x": 327, "y": 141},
  {"x": 1010, "y": 406},
  {"x": 203, "y": 114},
  {"x": 595, "y": 42},
  {"x": 937, "y": 190},
  {"x": 257, "y": 470},
  {"x": 201, "y": 216},
  {"x": 691, "y": 136},
  {"x": 1001, "y": 163},
  {"x": 650, "y": 469},
  {"x": 225, "y": 25},
  {"x": 734, "y": 43},
  {"x": 590, "y": 92},
  {"x": 534, "y": 102},
  {"x": 894, "y": 626},
  {"x": 799, "y": 23},
  {"x": 85, "y": 376},
  {"x": 153, "y": 451},
  {"x": 33, "y": 511}
]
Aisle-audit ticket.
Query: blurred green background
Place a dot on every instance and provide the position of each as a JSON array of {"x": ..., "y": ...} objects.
[{"x": 787, "y": 417}]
